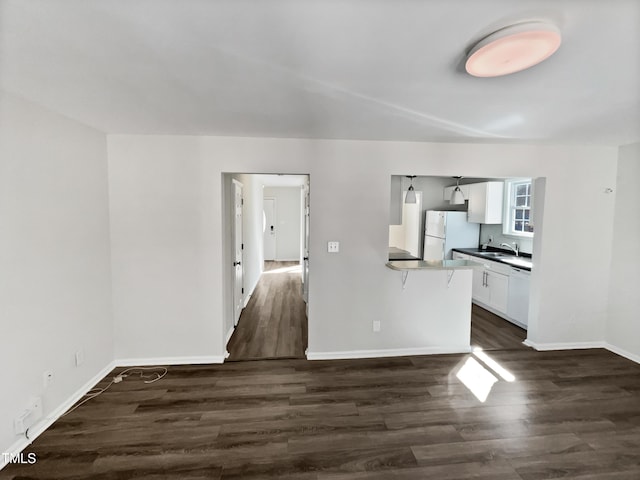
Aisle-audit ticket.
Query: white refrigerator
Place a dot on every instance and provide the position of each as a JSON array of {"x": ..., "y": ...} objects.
[{"x": 444, "y": 231}]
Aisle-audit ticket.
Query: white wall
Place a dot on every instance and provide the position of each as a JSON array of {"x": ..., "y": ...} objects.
[
  {"x": 287, "y": 213},
  {"x": 623, "y": 328},
  {"x": 168, "y": 252},
  {"x": 55, "y": 286}
]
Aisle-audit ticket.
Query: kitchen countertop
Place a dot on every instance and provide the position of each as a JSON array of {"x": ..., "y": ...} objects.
[
  {"x": 433, "y": 265},
  {"x": 523, "y": 260}
]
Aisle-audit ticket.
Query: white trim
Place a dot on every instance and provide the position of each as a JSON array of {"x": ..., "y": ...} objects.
[
  {"x": 229, "y": 333},
  {"x": 623, "y": 353},
  {"x": 543, "y": 347},
  {"x": 36, "y": 430},
  {"x": 396, "y": 352},
  {"x": 143, "y": 362}
]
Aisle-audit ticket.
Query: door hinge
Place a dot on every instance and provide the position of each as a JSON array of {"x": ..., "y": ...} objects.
[
  {"x": 242, "y": 246},
  {"x": 242, "y": 201},
  {"x": 242, "y": 290}
]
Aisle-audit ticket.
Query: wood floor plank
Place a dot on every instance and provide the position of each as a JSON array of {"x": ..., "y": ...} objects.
[
  {"x": 383, "y": 418},
  {"x": 492, "y": 470},
  {"x": 504, "y": 448}
]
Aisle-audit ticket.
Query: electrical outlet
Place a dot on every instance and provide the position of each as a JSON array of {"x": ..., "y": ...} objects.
[
  {"x": 29, "y": 417},
  {"x": 333, "y": 247},
  {"x": 79, "y": 357},
  {"x": 376, "y": 325},
  {"x": 47, "y": 378}
]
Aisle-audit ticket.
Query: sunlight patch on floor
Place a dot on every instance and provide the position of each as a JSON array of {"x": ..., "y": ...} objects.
[
  {"x": 476, "y": 378},
  {"x": 292, "y": 269},
  {"x": 479, "y": 378},
  {"x": 493, "y": 365}
]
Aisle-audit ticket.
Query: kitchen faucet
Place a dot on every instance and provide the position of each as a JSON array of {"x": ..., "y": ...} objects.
[{"x": 510, "y": 247}]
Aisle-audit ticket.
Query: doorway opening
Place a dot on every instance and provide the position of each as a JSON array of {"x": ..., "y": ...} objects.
[
  {"x": 267, "y": 277},
  {"x": 496, "y": 226}
]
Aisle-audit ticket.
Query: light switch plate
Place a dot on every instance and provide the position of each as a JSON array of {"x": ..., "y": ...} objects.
[{"x": 333, "y": 247}]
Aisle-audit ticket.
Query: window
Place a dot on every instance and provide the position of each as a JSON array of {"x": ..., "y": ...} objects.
[{"x": 518, "y": 208}]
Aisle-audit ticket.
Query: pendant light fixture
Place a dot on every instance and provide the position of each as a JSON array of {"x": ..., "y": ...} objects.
[
  {"x": 411, "y": 193},
  {"x": 457, "y": 198}
]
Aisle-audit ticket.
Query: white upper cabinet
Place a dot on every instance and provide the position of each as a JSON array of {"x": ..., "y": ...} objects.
[{"x": 485, "y": 202}]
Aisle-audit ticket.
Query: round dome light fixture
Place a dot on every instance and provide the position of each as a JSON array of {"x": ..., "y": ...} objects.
[{"x": 513, "y": 48}]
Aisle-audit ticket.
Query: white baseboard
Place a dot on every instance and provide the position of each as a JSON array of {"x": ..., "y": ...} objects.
[
  {"x": 36, "y": 430},
  {"x": 397, "y": 352},
  {"x": 623, "y": 353},
  {"x": 143, "y": 362},
  {"x": 543, "y": 347}
]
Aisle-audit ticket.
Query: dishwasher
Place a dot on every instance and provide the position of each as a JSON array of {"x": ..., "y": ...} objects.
[{"x": 518, "y": 301}]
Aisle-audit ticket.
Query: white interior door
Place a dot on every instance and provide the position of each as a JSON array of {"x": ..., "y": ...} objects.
[
  {"x": 269, "y": 228},
  {"x": 238, "y": 272}
]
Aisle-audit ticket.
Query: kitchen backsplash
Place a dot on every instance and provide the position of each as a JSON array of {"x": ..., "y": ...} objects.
[{"x": 495, "y": 231}]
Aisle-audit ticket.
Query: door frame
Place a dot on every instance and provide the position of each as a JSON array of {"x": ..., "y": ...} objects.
[{"x": 227, "y": 274}]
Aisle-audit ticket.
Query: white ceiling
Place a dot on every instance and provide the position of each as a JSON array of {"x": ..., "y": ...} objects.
[{"x": 374, "y": 69}]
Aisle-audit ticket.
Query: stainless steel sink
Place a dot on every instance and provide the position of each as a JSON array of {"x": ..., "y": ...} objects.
[{"x": 494, "y": 254}]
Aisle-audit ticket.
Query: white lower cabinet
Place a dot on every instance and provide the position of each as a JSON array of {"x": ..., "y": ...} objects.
[
  {"x": 498, "y": 286},
  {"x": 491, "y": 285}
]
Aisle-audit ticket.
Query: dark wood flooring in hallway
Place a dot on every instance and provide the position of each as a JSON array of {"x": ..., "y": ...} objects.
[{"x": 274, "y": 322}]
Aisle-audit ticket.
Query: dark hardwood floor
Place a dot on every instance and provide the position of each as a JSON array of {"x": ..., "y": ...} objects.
[
  {"x": 566, "y": 415},
  {"x": 491, "y": 332},
  {"x": 274, "y": 322}
]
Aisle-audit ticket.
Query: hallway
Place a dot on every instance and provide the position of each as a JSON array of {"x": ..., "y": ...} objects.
[{"x": 274, "y": 323}]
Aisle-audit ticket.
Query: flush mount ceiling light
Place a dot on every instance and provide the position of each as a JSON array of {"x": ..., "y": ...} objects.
[{"x": 512, "y": 49}]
